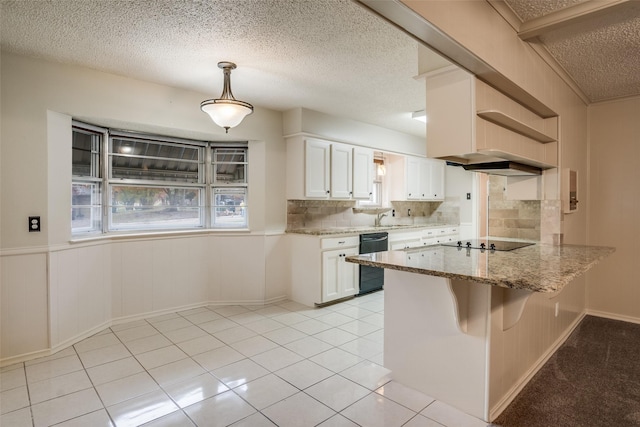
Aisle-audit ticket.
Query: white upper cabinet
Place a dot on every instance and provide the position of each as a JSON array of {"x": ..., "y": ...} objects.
[
  {"x": 436, "y": 179},
  {"x": 362, "y": 173},
  {"x": 317, "y": 167},
  {"x": 471, "y": 122},
  {"x": 341, "y": 171},
  {"x": 417, "y": 178},
  {"x": 415, "y": 171}
]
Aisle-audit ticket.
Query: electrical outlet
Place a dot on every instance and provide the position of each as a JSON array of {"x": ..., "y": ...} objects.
[
  {"x": 34, "y": 223},
  {"x": 557, "y": 309}
]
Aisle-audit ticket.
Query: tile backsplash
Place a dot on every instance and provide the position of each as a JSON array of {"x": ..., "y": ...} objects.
[
  {"x": 336, "y": 213},
  {"x": 537, "y": 220}
]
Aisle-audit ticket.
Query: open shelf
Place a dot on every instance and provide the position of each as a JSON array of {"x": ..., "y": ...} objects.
[{"x": 514, "y": 125}]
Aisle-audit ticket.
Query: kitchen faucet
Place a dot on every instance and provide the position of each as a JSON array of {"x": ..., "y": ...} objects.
[{"x": 378, "y": 219}]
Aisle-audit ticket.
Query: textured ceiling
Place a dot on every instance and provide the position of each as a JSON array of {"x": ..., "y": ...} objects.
[
  {"x": 600, "y": 52},
  {"x": 331, "y": 56},
  {"x": 528, "y": 10}
]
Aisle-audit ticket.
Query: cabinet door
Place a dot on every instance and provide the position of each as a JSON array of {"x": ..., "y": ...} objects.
[
  {"x": 349, "y": 274},
  {"x": 436, "y": 179},
  {"x": 317, "y": 157},
  {"x": 413, "y": 178},
  {"x": 341, "y": 171},
  {"x": 330, "y": 274},
  {"x": 362, "y": 173},
  {"x": 425, "y": 179}
]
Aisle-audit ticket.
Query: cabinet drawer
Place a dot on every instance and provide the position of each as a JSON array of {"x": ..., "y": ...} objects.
[
  {"x": 406, "y": 244},
  {"x": 404, "y": 235},
  {"x": 339, "y": 242},
  {"x": 430, "y": 233}
]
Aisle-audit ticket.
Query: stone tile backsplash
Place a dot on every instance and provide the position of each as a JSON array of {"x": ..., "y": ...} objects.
[
  {"x": 518, "y": 219},
  {"x": 523, "y": 219},
  {"x": 330, "y": 213}
]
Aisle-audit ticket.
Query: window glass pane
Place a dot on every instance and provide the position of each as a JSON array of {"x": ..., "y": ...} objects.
[
  {"x": 230, "y": 207},
  {"x": 148, "y": 160},
  {"x": 85, "y": 153},
  {"x": 146, "y": 207},
  {"x": 229, "y": 165},
  {"x": 376, "y": 196},
  {"x": 86, "y": 212}
]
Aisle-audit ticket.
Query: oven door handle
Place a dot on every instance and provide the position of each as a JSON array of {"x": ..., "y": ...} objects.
[{"x": 381, "y": 239}]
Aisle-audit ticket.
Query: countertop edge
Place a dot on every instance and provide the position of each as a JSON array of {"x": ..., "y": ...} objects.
[
  {"x": 340, "y": 231},
  {"x": 508, "y": 284}
]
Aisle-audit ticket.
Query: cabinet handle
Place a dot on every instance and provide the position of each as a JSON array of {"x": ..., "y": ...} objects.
[
  {"x": 342, "y": 242},
  {"x": 372, "y": 194},
  {"x": 328, "y": 191}
]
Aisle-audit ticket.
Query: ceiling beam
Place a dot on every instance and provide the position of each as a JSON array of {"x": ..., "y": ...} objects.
[
  {"x": 570, "y": 15},
  {"x": 406, "y": 19}
]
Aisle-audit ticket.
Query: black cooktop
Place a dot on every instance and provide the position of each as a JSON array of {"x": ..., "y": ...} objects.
[{"x": 490, "y": 244}]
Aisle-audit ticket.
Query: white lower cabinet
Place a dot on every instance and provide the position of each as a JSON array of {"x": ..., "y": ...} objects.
[
  {"x": 339, "y": 278},
  {"x": 404, "y": 240},
  {"x": 422, "y": 237},
  {"x": 319, "y": 270}
]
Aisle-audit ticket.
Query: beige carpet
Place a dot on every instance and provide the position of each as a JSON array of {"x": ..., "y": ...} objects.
[{"x": 592, "y": 380}]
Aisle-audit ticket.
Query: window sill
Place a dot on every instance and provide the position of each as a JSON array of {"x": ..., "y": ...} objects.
[{"x": 157, "y": 234}]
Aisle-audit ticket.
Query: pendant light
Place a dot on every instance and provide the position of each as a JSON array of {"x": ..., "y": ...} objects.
[{"x": 226, "y": 112}]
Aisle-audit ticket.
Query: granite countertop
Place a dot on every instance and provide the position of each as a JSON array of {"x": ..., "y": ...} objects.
[
  {"x": 363, "y": 229},
  {"x": 538, "y": 268}
]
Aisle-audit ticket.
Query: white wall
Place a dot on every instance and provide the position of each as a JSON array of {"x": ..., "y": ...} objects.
[
  {"x": 55, "y": 292},
  {"x": 613, "y": 205},
  {"x": 35, "y": 172},
  {"x": 303, "y": 121}
]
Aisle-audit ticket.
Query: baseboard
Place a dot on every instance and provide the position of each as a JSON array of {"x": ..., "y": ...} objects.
[
  {"x": 544, "y": 358},
  {"x": 155, "y": 313},
  {"x": 24, "y": 357},
  {"x": 613, "y": 316},
  {"x": 276, "y": 299},
  {"x": 125, "y": 319},
  {"x": 86, "y": 334},
  {"x": 244, "y": 302}
]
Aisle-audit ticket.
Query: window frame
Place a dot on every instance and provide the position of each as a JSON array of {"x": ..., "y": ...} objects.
[
  {"x": 95, "y": 177},
  {"x": 204, "y": 185}
]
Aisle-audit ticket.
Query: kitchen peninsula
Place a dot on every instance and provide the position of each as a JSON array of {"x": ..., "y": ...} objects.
[{"x": 450, "y": 313}]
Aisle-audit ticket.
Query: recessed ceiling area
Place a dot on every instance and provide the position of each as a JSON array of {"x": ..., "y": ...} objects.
[{"x": 596, "y": 42}]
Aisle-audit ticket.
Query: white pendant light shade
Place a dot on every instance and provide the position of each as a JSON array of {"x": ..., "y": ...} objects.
[{"x": 226, "y": 112}]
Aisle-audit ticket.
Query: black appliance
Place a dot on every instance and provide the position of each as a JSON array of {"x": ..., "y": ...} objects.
[
  {"x": 489, "y": 244},
  {"x": 372, "y": 278}
]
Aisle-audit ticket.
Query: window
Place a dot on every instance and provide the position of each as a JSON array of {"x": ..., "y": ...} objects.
[
  {"x": 86, "y": 187},
  {"x": 154, "y": 182},
  {"x": 229, "y": 190}
]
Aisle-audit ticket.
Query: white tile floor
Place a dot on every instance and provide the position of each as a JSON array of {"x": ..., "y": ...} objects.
[{"x": 281, "y": 364}]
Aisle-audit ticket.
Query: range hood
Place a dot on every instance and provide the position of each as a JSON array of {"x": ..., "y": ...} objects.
[{"x": 505, "y": 168}]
